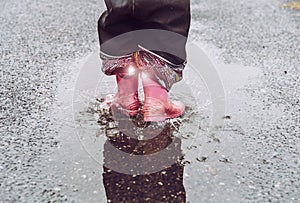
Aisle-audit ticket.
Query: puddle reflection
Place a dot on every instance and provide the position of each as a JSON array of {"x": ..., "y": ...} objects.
[{"x": 142, "y": 161}]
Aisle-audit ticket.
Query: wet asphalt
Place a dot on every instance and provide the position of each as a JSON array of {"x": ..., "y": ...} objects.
[{"x": 254, "y": 158}]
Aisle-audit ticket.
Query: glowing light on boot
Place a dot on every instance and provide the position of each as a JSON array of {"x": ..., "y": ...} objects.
[{"x": 131, "y": 70}]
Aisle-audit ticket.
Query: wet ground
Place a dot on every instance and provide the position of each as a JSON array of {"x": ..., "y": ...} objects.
[{"x": 53, "y": 147}]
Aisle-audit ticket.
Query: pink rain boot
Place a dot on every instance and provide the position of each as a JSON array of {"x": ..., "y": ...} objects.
[
  {"x": 126, "y": 98},
  {"x": 157, "y": 106}
]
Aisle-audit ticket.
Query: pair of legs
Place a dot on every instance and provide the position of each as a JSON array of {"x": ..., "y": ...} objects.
[
  {"x": 157, "y": 106},
  {"x": 160, "y": 27}
]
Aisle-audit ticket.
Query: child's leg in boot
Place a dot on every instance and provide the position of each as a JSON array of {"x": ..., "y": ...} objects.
[
  {"x": 157, "y": 106},
  {"x": 127, "y": 96}
]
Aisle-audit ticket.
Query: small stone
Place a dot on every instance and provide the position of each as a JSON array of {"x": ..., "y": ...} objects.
[
  {"x": 56, "y": 189},
  {"x": 225, "y": 160},
  {"x": 227, "y": 117},
  {"x": 202, "y": 159},
  {"x": 212, "y": 170}
]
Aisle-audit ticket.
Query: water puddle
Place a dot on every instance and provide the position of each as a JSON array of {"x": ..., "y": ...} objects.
[{"x": 106, "y": 156}]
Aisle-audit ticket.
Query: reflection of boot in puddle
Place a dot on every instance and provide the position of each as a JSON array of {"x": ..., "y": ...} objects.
[{"x": 143, "y": 170}]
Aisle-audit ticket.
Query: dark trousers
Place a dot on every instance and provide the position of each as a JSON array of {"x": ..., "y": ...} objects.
[{"x": 125, "y": 27}]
